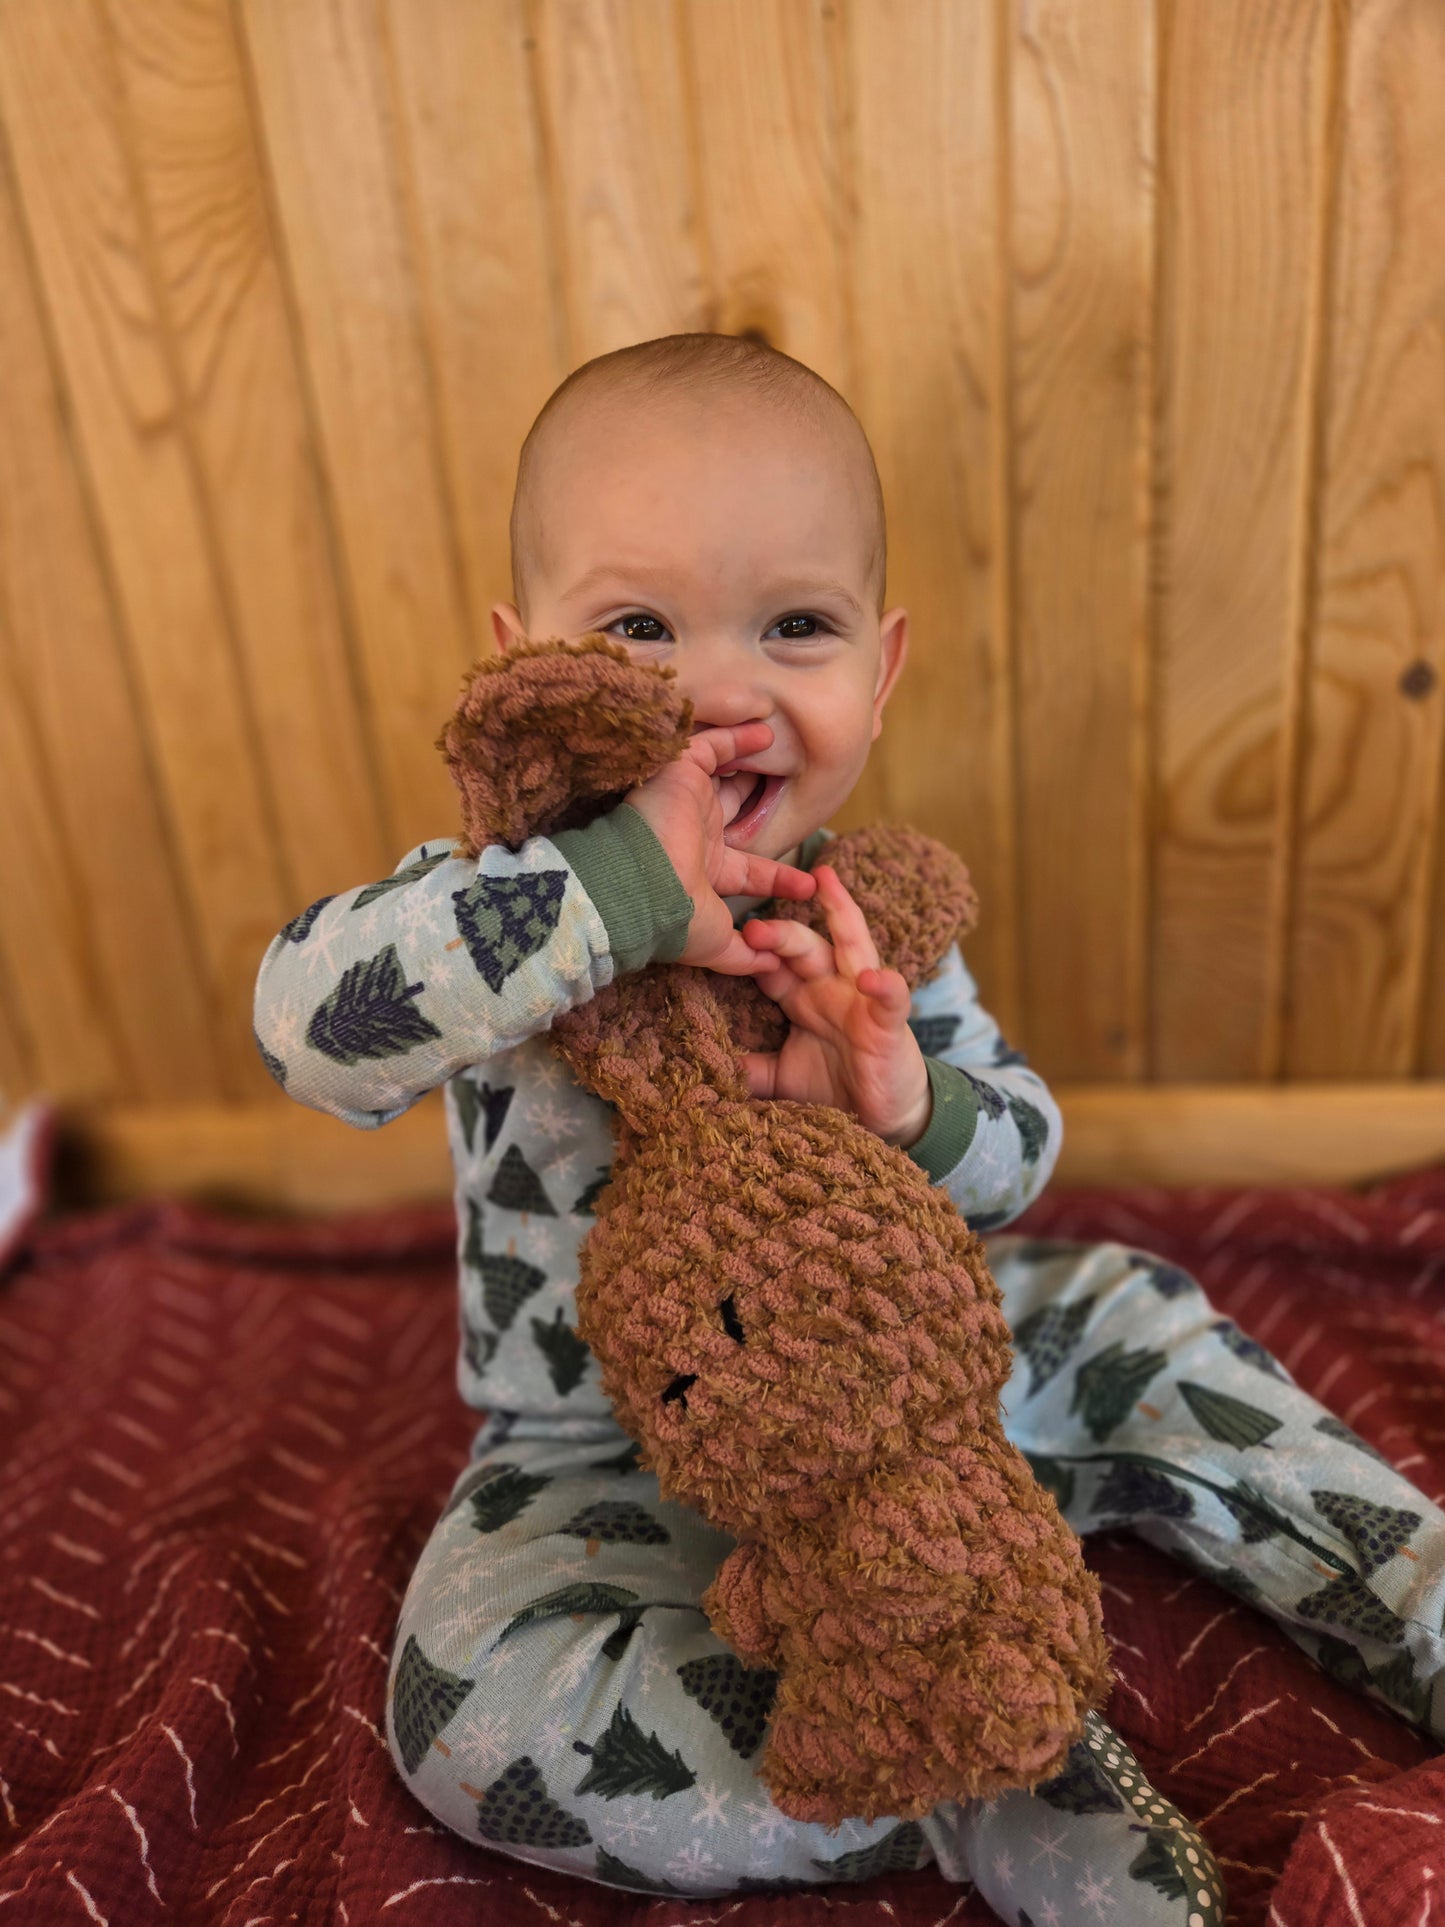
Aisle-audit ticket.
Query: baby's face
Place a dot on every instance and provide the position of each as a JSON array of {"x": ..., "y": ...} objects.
[{"x": 731, "y": 545}]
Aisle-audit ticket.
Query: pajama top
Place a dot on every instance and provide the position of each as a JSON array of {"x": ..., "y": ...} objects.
[{"x": 451, "y": 970}]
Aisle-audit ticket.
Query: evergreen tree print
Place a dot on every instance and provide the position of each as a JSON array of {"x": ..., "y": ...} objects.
[
  {"x": 1376, "y": 1532},
  {"x": 506, "y": 920},
  {"x": 1409, "y": 1695},
  {"x": 1047, "y": 1336},
  {"x": 586, "y": 1596},
  {"x": 566, "y": 1354},
  {"x": 897, "y": 1852},
  {"x": 752, "y": 1884},
  {"x": 1256, "y": 1516},
  {"x": 507, "y": 1284},
  {"x": 1033, "y": 1127},
  {"x": 517, "y": 1808},
  {"x": 990, "y": 1099},
  {"x": 1003, "y": 1053},
  {"x": 625, "y": 1461},
  {"x": 504, "y": 1495},
  {"x": 627, "y": 1760},
  {"x": 469, "y": 1107},
  {"x": 989, "y": 1220},
  {"x": 1137, "y": 1490},
  {"x": 587, "y": 1203},
  {"x": 1240, "y": 1584},
  {"x": 1158, "y": 1862},
  {"x": 934, "y": 1034},
  {"x": 270, "y": 1060},
  {"x": 1335, "y": 1428},
  {"x": 628, "y": 1620},
  {"x": 517, "y": 1187},
  {"x": 495, "y": 1104},
  {"x": 1054, "y": 1476},
  {"x": 737, "y": 1699},
  {"x": 1230, "y": 1420},
  {"x": 617, "y": 1873},
  {"x": 616, "y": 1522},
  {"x": 1170, "y": 1281},
  {"x": 1246, "y": 1348},
  {"x": 1349, "y": 1602},
  {"x": 1082, "y": 1787},
  {"x": 479, "y": 1344},
  {"x": 1107, "y": 1386},
  {"x": 413, "y": 873},
  {"x": 370, "y": 1013},
  {"x": 299, "y": 928},
  {"x": 424, "y": 1699},
  {"x": 1343, "y": 1662},
  {"x": 473, "y": 1251}
]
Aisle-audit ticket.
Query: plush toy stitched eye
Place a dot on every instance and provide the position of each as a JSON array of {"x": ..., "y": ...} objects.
[
  {"x": 731, "y": 1323},
  {"x": 678, "y": 1388}
]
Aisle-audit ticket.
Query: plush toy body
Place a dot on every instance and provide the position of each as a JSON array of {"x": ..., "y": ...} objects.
[{"x": 796, "y": 1325}]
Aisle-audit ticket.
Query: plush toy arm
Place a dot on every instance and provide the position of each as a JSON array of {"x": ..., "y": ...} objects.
[{"x": 736, "y": 1607}]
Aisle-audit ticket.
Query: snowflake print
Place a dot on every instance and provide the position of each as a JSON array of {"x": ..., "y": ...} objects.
[
  {"x": 553, "y": 1734},
  {"x": 1049, "y": 1915},
  {"x": 1094, "y": 1891},
  {"x": 1049, "y": 1847},
  {"x": 768, "y": 1824},
  {"x": 550, "y": 1117},
  {"x": 692, "y": 1860},
  {"x": 286, "y": 1031},
  {"x": 367, "y": 922},
  {"x": 1003, "y": 1866},
  {"x": 571, "y": 1669},
  {"x": 319, "y": 948},
  {"x": 651, "y": 1665},
  {"x": 501, "y": 1657},
  {"x": 713, "y": 1798},
  {"x": 627, "y": 1833},
  {"x": 488, "y": 1746},
  {"x": 417, "y": 914},
  {"x": 547, "y": 1071}
]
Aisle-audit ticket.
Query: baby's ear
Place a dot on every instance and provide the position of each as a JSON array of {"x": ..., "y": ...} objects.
[{"x": 551, "y": 734}]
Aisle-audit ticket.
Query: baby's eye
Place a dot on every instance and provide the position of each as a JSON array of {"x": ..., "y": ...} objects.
[
  {"x": 642, "y": 628},
  {"x": 630, "y": 623}
]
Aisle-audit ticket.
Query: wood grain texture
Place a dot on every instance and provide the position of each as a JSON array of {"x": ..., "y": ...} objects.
[
  {"x": 195, "y": 160},
  {"x": 320, "y": 79},
  {"x": 61, "y": 102},
  {"x": 1241, "y": 225},
  {"x": 275, "y": 1156},
  {"x": 926, "y": 289},
  {"x": 473, "y": 165},
  {"x": 1375, "y": 713},
  {"x": 1081, "y": 161}
]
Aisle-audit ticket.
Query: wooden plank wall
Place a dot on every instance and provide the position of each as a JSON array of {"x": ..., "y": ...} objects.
[{"x": 1141, "y": 302}]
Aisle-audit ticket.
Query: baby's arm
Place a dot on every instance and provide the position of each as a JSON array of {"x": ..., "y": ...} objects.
[
  {"x": 996, "y": 1132},
  {"x": 369, "y": 999}
]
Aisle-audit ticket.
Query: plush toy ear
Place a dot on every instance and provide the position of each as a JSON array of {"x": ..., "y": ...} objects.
[{"x": 551, "y": 734}]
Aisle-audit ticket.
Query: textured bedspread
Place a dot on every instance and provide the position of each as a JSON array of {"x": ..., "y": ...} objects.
[{"x": 225, "y": 1442}]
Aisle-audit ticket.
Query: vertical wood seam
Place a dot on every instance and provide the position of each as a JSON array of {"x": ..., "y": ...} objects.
[
  {"x": 564, "y": 335},
  {"x": 842, "y": 177},
  {"x": 346, "y": 604},
  {"x": 18, "y": 1031},
  {"x": 124, "y": 643},
  {"x": 215, "y": 554},
  {"x": 1013, "y": 962},
  {"x": 443, "y": 455},
  {"x": 692, "y": 134},
  {"x": 1315, "y": 372},
  {"x": 1156, "y": 522}
]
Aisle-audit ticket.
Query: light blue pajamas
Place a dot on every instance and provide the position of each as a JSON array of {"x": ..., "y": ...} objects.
[{"x": 556, "y": 1692}]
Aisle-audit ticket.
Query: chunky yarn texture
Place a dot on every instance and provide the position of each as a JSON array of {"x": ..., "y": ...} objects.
[{"x": 797, "y": 1327}]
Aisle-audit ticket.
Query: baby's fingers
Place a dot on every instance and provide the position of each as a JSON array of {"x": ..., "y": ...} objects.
[
  {"x": 888, "y": 995},
  {"x": 806, "y": 953}
]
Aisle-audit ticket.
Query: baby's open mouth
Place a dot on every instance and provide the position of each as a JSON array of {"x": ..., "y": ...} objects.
[{"x": 757, "y": 802}]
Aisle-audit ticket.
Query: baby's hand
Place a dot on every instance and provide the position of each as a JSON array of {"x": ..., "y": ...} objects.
[
  {"x": 682, "y": 804},
  {"x": 849, "y": 1044}
]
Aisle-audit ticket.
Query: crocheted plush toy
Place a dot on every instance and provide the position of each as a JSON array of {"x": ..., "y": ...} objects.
[{"x": 797, "y": 1326}]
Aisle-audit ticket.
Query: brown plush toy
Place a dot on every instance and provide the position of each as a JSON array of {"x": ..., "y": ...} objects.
[{"x": 797, "y": 1326}]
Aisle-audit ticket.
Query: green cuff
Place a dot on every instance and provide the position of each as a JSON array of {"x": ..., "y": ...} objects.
[
  {"x": 630, "y": 877},
  {"x": 952, "y": 1125}
]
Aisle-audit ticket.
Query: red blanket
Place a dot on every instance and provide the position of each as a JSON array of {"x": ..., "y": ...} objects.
[{"x": 225, "y": 1443}]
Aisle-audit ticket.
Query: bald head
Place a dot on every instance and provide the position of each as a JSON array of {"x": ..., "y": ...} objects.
[{"x": 697, "y": 377}]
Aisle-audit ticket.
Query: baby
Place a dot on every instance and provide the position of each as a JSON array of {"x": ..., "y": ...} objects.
[{"x": 556, "y": 1693}]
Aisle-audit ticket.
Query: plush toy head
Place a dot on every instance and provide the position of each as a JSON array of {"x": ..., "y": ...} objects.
[{"x": 799, "y": 1329}]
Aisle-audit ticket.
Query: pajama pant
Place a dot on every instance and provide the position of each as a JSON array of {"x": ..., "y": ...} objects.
[{"x": 556, "y": 1692}]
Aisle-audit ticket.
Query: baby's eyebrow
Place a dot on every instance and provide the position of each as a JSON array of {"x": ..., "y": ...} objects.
[{"x": 657, "y": 579}]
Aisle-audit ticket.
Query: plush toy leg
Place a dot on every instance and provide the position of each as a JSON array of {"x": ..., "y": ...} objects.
[{"x": 734, "y": 1604}]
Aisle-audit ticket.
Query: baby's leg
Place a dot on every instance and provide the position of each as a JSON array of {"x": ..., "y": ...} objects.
[
  {"x": 557, "y": 1695},
  {"x": 1139, "y": 1404}
]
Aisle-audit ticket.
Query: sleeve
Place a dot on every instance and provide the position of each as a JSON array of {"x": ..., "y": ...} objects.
[
  {"x": 367, "y": 1000},
  {"x": 996, "y": 1132}
]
